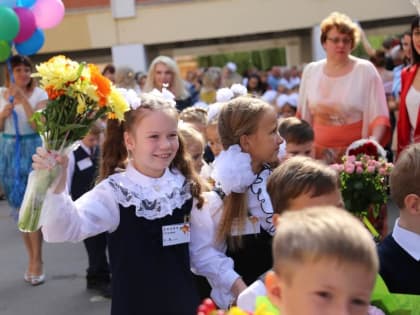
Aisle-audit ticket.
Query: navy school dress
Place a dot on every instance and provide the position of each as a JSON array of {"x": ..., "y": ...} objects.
[{"x": 148, "y": 278}]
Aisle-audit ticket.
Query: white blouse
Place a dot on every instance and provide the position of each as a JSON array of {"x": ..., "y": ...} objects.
[
  {"x": 97, "y": 211},
  {"x": 38, "y": 95},
  {"x": 221, "y": 275},
  {"x": 413, "y": 101}
]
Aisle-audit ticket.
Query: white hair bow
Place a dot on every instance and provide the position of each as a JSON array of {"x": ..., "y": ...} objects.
[{"x": 165, "y": 94}]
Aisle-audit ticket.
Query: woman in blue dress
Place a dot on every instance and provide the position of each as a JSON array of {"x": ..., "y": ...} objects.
[{"x": 18, "y": 101}]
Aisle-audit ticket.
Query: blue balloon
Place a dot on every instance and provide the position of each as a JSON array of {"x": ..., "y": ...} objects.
[
  {"x": 8, "y": 3},
  {"x": 25, "y": 3},
  {"x": 32, "y": 45}
]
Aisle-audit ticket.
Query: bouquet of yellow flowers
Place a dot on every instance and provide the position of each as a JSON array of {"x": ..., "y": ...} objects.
[{"x": 78, "y": 95}]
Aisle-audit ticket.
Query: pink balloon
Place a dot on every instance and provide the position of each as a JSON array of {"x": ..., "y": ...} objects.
[
  {"x": 48, "y": 13},
  {"x": 27, "y": 24}
]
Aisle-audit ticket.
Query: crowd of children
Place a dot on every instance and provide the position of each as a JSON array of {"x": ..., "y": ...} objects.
[{"x": 165, "y": 208}]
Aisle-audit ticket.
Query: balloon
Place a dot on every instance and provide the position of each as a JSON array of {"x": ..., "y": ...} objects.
[
  {"x": 26, "y": 3},
  {"x": 4, "y": 50},
  {"x": 48, "y": 13},
  {"x": 27, "y": 24},
  {"x": 32, "y": 45},
  {"x": 8, "y": 3},
  {"x": 9, "y": 23}
]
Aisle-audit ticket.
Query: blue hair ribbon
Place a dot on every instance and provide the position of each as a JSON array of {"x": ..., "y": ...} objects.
[{"x": 14, "y": 193}]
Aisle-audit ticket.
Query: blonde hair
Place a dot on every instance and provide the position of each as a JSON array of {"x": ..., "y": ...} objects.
[
  {"x": 404, "y": 179},
  {"x": 125, "y": 78},
  {"x": 237, "y": 117},
  {"x": 194, "y": 115},
  {"x": 114, "y": 153},
  {"x": 190, "y": 135},
  {"x": 316, "y": 233},
  {"x": 299, "y": 175},
  {"x": 343, "y": 24},
  {"x": 176, "y": 86}
]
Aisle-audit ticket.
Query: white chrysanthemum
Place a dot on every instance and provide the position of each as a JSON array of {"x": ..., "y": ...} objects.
[
  {"x": 232, "y": 170},
  {"x": 239, "y": 89},
  {"x": 224, "y": 95}
]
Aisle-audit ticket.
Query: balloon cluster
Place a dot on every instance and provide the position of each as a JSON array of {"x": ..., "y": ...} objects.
[{"x": 22, "y": 23}]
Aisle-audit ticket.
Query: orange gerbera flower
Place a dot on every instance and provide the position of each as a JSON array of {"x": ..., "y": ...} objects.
[
  {"x": 53, "y": 93},
  {"x": 103, "y": 84}
]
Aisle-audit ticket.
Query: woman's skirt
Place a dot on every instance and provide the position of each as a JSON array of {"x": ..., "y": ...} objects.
[{"x": 15, "y": 168}]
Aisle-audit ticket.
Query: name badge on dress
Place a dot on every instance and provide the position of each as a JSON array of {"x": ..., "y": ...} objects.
[
  {"x": 175, "y": 234},
  {"x": 252, "y": 226},
  {"x": 84, "y": 164}
]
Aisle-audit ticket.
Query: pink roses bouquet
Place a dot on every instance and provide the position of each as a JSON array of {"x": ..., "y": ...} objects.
[{"x": 364, "y": 178}]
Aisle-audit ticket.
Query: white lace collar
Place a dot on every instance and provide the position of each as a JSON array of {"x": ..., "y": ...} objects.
[{"x": 153, "y": 198}]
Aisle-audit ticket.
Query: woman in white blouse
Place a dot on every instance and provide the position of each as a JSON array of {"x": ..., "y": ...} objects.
[{"x": 342, "y": 97}]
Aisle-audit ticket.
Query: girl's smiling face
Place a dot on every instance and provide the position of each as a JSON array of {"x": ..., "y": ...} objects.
[
  {"x": 22, "y": 75},
  {"x": 153, "y": 143}
]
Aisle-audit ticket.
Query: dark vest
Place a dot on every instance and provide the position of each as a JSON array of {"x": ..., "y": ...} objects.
[
  {"x": 83, "y": 181},
  {"x": 400, "y": 271},
  {"x": 254, "y": 257},
  {"x": 148, "y": 278}
]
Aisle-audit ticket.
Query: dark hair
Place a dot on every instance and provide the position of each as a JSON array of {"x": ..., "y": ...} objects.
[
  {"x": 378, "y": 59},
  {"x": 108, "y": 68},
  {"x": 114, "y": 151},
  {"x": 415, "y": 24},
  {"x": 18, "y": 60},
  {"x": 295, "y": 130},
  {"x": 259, "y": 87}
]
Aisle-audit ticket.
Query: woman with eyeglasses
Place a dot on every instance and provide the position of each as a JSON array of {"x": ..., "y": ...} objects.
[
  {"x": 342, "y": 96},
  {"x": 408, "y": 124}
]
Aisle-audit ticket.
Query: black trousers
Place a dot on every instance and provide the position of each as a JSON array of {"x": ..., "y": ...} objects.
[{"x": 96, "y": 247}]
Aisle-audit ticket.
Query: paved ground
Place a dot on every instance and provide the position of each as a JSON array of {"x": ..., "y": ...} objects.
[{"x": 64, "y": 291}]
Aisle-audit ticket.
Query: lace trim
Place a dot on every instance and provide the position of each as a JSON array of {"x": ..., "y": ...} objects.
[{"x": 151, "y": 202}]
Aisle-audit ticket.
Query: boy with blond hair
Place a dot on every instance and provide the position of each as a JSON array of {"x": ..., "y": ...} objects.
[
  {"x": 399, "y": 252},
  {"x": 297, "y": 183},
  {"x": 325, "y": 262}
]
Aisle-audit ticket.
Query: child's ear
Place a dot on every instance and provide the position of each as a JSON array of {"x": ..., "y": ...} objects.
[
  {"x": 412, "y": 204},
  {"x": 129, "y": 141},
  {"x": 273, "y": 285},
  {"x": 244, "y": 143}
]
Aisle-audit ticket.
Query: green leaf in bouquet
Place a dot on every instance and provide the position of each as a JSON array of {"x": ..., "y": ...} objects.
[{"x": 394, "y": 303}]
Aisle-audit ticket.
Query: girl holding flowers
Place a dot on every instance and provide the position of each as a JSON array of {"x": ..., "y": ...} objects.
[
  {"x": 18, "y": 101},
  {"x": 145, "y": 204},
  {"x": 239, "y": 222}
]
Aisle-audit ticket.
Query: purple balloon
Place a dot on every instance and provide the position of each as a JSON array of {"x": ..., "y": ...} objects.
[
  {"x": 48, "y": 13},
  {"x": 27, "y": 24}
]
